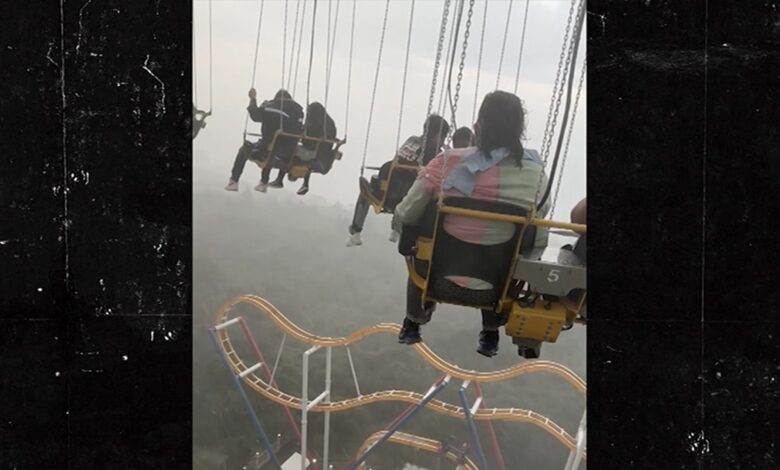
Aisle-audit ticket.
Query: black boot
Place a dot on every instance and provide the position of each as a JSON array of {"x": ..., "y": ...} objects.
[
  {"x": 410, "y": 332},
  {"x": 488, "y": 343}
]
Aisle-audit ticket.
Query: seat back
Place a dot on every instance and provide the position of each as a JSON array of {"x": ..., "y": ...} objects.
[{"x": 450, "y": 256}]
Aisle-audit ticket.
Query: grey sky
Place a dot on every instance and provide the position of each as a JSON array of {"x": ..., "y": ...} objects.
[{"x": 234, "y": 26}]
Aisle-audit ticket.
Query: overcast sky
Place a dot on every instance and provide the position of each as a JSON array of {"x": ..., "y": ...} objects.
[{"x": 234, "y": 31}]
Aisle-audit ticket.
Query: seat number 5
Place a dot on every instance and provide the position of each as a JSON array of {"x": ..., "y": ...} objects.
[{"x": 553, "y": 276}]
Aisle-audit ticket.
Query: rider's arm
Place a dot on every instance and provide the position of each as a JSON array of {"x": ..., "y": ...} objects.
[{"x": 412, "y": 206}]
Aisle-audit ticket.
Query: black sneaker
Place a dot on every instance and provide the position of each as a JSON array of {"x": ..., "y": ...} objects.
[
  {"x": 276, "y": 184},
  {"x": 488, "y": 343},
  {"x": 410, "y": 332}
]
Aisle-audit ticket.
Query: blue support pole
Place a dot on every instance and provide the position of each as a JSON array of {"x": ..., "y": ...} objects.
[
  {"x": 472, "y": 428},
  {"x": 255, "y": 419},
  {"x": 417, "y": 407}
]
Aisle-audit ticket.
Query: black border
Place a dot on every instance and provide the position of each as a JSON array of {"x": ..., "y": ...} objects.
[
  {"x": 682, "y": 184},
  {"x": 683, "y": 173},
  {"x": 96, "y": 211}
]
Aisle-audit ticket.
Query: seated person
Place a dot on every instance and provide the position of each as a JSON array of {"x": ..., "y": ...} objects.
[
  {"x": 498, "y": 169},
  {"x": 579, "y": 216},
  {"x": 198, "y": 120},
  {"x": 410, "y": 153},
  {"x": 318, "y": 124},
  {"x": 579, "y": 212},
  {"x": 280, "y": 113},
  {"x": 462, "y": 138}
]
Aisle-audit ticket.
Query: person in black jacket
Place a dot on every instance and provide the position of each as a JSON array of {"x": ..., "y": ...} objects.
[
  {"x": 283, "y": 113},
  {"x": 435, "y": 130},
  {"x": 318, "y": 124}
]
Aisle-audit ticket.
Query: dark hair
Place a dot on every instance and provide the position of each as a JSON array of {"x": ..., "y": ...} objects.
[
  {"x": 316, "y": 112},
  {"x": 315, "y": 118},
  {"x": 318, "y": 123},
  {"x": 462, "y": 135},
  {"x": 436, "y": 122},
  {"x": 501, "y": 123},
  {"x": 282, "y": 94}
]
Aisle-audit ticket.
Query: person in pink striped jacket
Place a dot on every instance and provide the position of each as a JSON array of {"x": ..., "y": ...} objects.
[{"x": 497, "y": 169}]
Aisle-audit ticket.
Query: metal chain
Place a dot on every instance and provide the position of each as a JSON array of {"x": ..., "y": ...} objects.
[
  {"x": 332, "y": 52},
  {"x": 327, "y": 53},
  {"x": 437, "y": 63},
  {"x": 479, "y": 65},
  {"x": 194, "y": 62},
  {"x": 294, "y": 37},
  {"x": 462, "y": 63},
  {"x": 457, "y": 85},
  {"x": 567, "y": 51},
  {"x": 444, "y": 76},
  {"x": 522, "y": 43},
  {"x": 254, "y": 65},
  {"x": 349, "y": 71},
  {"x": 503, "y": 44},
  {"x": 403, "y": 82},
  {"x": 568, "y": 137},
  {"x": 556, "y": 95},
  {"x": 211, "y": 59},
  {"x": 298, "y": 52},
  {"x": 284, "y": 46},
  {"x": 376, "y": 80},
  {"x": 311, "y": 50}
]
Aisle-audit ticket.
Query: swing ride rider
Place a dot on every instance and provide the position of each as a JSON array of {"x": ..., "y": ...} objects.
[
  {"x": 498, "y": 169},
  {"x": 435, "y": 130},
  {"x": 198, "y": 120},
  {"x": 462, "y": 138},
  {"x": 282, "y": 112},
  {"x": 318, "y": 124}
]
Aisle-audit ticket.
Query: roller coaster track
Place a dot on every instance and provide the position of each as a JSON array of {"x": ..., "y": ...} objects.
[
  {"x": 418, "y": 442},
  {"x": 272, "y": 393}
]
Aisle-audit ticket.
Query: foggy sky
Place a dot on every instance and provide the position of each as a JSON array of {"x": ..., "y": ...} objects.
[{"x": 234, "y": 30}]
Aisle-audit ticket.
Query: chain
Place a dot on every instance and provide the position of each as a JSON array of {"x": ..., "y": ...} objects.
[
  {"x": 437, "y": 63},
  {"x": 568, "y": 137},
  {"x": 403, "y": 83},
  {"x": 479, "y": 65},
  {"x": 311, "y": 50},
  {"x": 254, "y": 65},
  {"x": 349, "y": 71},
  {"x": 454, "y": 103},
  {"x": 444, "y": 75},
  {"x": 294, "y": 37},
  {"x": 552, "y": 116},
  {"x": 561, "y": 60},
  {"x": 522, "y": 43},
  {"x": 503, "y": 44},
  {"x": 332, "y": 52},
  {"x": 194, "y": 62},
  {"x": 376, "y": 80},
  {"x": 568, "y": 49},
  {"x": 211, "y": 60},
  {"x": 298, "y": 52},
  {"x": 284, "y": 45},
  {"x": 462, "y": 63}
]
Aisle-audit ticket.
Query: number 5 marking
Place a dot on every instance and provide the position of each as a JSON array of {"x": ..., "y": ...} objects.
[{"x": 553, "y": 277}]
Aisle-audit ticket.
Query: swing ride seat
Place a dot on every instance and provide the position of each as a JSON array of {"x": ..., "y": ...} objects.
[
  {"x": 294, "y": 158},
  {"x": 540, "y": 299},
  {"x": 314, "y": 159},
  {"x": 397, "y": 180}
]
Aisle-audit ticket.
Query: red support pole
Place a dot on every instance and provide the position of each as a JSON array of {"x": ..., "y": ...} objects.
[
  {"x": 489, "y": 425},
  {"x": 264, "y": 366}
]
